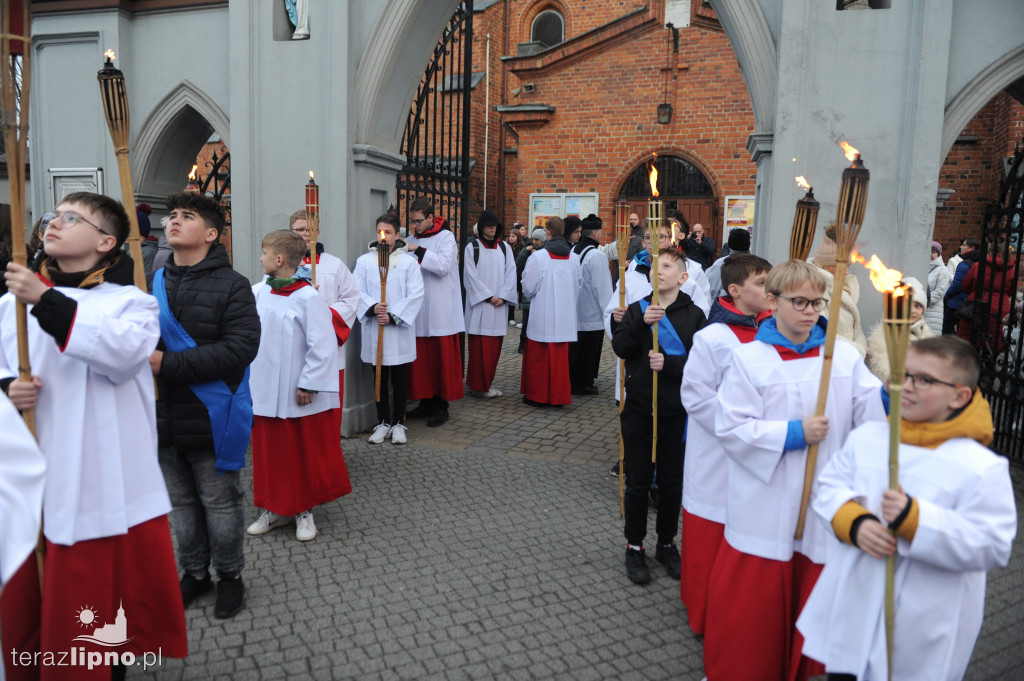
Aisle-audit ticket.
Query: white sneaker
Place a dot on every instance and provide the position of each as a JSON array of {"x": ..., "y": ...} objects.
[
  {"x": 519, "y": 326},
  {"x": 380, "y": 431},
  {"x": 305, "y": 528},
  {"x": 494, "y": 392},
  {"x": 268, "y": 521},
  {"x": 511, "y": 322},
  {"x": 398, "y": 434}
]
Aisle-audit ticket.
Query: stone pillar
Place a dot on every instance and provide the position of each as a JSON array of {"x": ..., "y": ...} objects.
[{"x": 760, "y": 144}]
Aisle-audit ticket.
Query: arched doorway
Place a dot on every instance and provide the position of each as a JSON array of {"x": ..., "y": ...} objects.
[{"x": 683, "y": 187}]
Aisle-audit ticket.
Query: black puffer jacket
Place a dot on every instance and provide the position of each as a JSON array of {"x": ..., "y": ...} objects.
[
  {"x": 216, "y": 306},
  {"x": 632, "y": 340}
]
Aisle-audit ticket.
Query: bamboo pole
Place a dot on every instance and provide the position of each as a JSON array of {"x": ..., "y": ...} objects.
[
  {"x": 383, "y": 263},
  {"x": 14, "y": 118},
  {"x": 622, "y": 243},
  {"x": 654, "y": 216},
  {"x": 896, "y": 325},
  {"x": 804, "y": 221},
  {"x": 115, "y": 108},
  {"x": 853, "y": 198}
]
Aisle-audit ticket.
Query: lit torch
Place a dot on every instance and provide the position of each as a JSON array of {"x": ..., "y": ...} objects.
[
  {"x": 896, "y": 327},
  {"x": 383, "y": 263},
  {"x": 192, "y": 182},
  {"x": 804, "y": 221},
  {"x": 853, "y": 199},
  {"x": 313, "y": 222},
  {"x": 654, "y": 225}
]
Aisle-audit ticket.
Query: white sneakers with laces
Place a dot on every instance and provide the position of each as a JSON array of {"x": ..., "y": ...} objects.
[
  {"x": 268, "y": 521},
  {"x": 380, "y": 431},
  {"x": 398, "y": 434},
  {"x": 305, "y": 528}
]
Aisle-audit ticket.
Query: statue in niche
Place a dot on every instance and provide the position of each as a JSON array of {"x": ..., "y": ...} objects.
[{"x": 298, "y": 14}]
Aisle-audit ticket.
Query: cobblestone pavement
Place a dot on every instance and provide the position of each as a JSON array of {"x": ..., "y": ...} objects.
[{"x": 489, "y": 548}]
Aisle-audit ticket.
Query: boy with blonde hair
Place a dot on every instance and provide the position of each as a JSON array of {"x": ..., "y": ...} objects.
[
  {"x": 765, "y": 421},
  {"x": 297, "y": 461},
  {"x": 954, "y": 518}
]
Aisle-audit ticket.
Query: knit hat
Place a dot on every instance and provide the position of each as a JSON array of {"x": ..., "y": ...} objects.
[
  {"x": 825, "y": 256},
  {"x": 572, "y": 223},
  {"x": 739, "y": 240},
  {"x": 539, "y": 234},
  {"x": 591, "y": 223},
  {"x": 142, "y": 212},
  {"x": 916, "y": 290},
  {"x": 488, "y": 218},
  {"x": 937, "y": 247}
]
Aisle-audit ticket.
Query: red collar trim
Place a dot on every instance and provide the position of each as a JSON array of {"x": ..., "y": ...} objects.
[
  {"x": 439, "y": 223},
  {"x": 305, "y": 261},
  {"x": 557, "y": 257},
  {"x": 289, "y": 289},
  {"x": 43, "y": 279},
  {"x": 787, "y": 354}
]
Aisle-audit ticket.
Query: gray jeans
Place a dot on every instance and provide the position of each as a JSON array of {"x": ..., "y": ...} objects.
[{"x": 208, "y": 516}]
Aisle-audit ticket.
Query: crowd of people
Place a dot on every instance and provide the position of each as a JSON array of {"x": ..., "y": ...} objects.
[{"x": 183, "y": 381}]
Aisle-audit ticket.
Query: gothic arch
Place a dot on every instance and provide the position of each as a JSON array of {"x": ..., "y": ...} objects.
[
  {"x": 693, "y": 159},
  {"x": 745, "y": 25},
  {"x": 998, "y": 76},
  {"x": 170, "y": 138}
]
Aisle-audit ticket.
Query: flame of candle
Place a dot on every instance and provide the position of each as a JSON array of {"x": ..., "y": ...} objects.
[
  {"x": 654, "y": 177},
  {"x": 801, "y": 181},
  {"x": 851, "y": 153},
  {"x": 882, "y": 278},
  {"x": 109, "y": 54},
  {"x": 310, "y": 175},
  {"x": 192, "y": 175}
]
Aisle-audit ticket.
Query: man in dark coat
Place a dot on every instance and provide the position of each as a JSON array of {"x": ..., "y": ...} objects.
[
  {"x": 700, "y": 248},
  {"x": 214, "y": 305}
]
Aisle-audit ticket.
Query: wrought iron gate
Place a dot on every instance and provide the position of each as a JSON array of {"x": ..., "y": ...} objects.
[
  {"x": 996, "y": 326},
  {"x": 217, "y": 184},
  {"x": 436, "y": 139}
]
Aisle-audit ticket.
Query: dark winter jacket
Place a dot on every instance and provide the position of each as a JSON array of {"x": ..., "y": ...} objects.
[
  {"x": 993, "y": 298},
  {"x": 955, "y": 294},
  {"x": 216, "y": 307},
  {"x": 632, "y": 340},
  {"x": 702, "y": 253},
  {"x": 723, "y": 311}
]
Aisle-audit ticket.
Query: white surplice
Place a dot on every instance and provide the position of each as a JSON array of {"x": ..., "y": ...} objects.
[
  {"x": 595, "y": 290},
  {"x": 493, "y": 276},
  {"x": 22, "y": 475},
  {"x": 404, "y": 299},
  {"x": 441, "y": 313},
  {"x": 338, "y": 288},
  {"x": 552, "y": 286}
]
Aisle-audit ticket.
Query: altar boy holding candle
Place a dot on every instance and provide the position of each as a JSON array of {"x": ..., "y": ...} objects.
[
  {"x": 490, "y": 276},
  {"x": 954, "y": 517},
  {"x": 733, "y": 321},
  {"x": 765, "y": 421},
  {"x": 397, "y": 315},
  {"x": 296, "y": 453},
  {"x": 338, "y": 289},
  {"x": 551, "y": 282},
  {"x": 435, "y": 376}
]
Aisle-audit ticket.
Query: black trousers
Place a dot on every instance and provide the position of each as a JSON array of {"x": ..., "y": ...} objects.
[
  {"x": 640, "y": 472},
  {"x": 391, "y": 407},
  {"x": 585, "y": 358}
]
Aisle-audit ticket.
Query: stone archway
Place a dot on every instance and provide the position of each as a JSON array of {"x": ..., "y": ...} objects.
[{"x": 998, "y": 76}]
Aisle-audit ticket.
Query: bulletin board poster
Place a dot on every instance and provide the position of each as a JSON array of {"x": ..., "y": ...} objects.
[
  {"x": 544, "y": 206},
  {"x": 580, "y": 205},
  {"x": 739, "y": 212}
]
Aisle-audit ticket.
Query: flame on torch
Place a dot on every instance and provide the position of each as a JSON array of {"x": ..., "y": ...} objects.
[
  {"x": 192, "y": 175},
  {"x": 801, "y": 182},
  {"x": 882, "y": 278},
  {"x": 109, "y": 54},
  {"x": 310, "y": 175},
  {"x": 851, "y": 153},
  {"x": 381, "y": 232},
  {"x": 654, "y": 177}
]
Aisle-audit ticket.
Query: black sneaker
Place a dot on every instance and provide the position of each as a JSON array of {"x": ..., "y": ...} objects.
[
  {"x": 439, "y": 418},
  {"x": 423, "y": 410},
  {"x": 668, "y": 555},
  {"x": 230, "y": 597},
  {"x": 192, "y": 588},
  {"x": 636, "y": 567},
  {"x": 587, "y": 390},
  {"x": 614, "y": 472}
]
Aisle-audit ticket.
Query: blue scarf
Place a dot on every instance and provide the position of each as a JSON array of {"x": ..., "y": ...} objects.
[
  {"x": 643, "y": 259},
  {"x": 230, "y": 413},
  {"x": 769, "y": 333},
  {"x": 669, "y": 341}
]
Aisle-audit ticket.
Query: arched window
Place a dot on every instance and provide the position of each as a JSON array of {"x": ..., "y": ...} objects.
[
  {"x": 548, "y": 28},
  {"x": 677, "y": 178}
]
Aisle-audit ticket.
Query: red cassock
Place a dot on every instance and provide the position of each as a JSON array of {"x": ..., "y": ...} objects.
[
  {"x": 133, "y": 572},
  {"x": 483, "y": 361},
  {"x": 698, "y": 547},
  {"x": 437, "y": 369},
  {"x": 297, "y": 463},
  {"x": 545, "y": 374},
  {"x": 754, "y": 603}
]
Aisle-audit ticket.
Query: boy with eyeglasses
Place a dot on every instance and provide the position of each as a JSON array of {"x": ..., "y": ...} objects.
[
  {"x": 105, "y": 505},
  {"x": 435, "y": 376},
  {"x": 952, "y": 519},
  {"x": 765, "y": 422}
]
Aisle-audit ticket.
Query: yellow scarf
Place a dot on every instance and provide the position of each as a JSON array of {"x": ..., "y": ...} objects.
[{"x": 975, "y": 422}]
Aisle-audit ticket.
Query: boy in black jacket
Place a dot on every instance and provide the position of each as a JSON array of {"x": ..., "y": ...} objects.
[
  {"x": 678, "y": 320},
  {"x": 210, "y": 333}
]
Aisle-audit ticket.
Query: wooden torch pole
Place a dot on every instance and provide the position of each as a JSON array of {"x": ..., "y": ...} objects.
[
  {"x": 624, "y": 232},
  {"x": 383, "y": 263}
]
